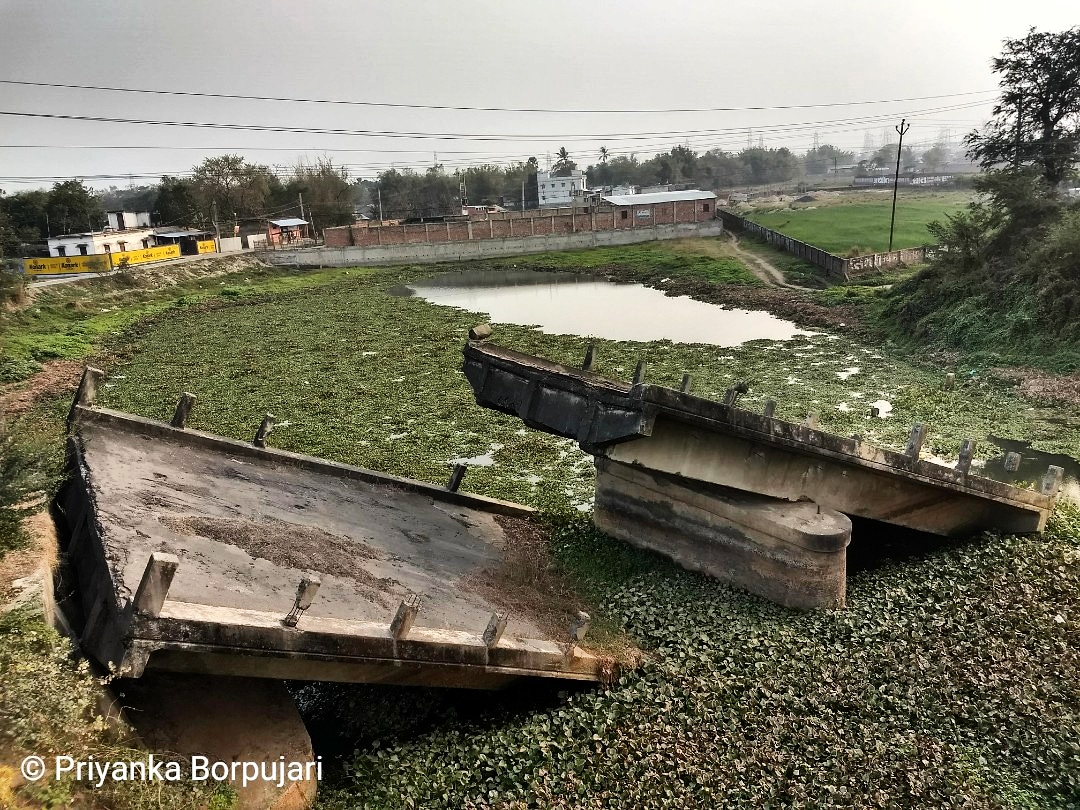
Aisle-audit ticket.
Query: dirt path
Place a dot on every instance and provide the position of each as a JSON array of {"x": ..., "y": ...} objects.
[{"x": 760, "y": 267}]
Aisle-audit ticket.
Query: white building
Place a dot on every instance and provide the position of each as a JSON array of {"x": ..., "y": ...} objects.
[
  {"x": 122, "y": 220},
  {"x": 126, "y": 231},
  {"x": 558, "y": 192}
]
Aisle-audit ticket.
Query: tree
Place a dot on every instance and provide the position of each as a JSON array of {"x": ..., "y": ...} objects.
[
  {"x": 1037, "y": 119},
  {"x": 27, "y": 214},
  {"x": 826, "y": 157},
  {"x": 328, "y": 197},
  {"x": 74, "y": 207},
  {"x": 603, "y": 154},
  {"x": 175, "y": 203},
  {"x": 564, "y": 165},
  {"x": 232, "y": 185},
  {"x": 934, "y": 157},
  {"x": 769, "y": 165}
]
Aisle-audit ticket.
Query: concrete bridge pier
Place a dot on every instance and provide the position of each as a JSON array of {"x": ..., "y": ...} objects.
[{"x": 791, "y": 553}]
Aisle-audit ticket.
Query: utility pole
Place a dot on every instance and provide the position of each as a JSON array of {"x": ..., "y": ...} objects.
[
  {"x": 217, "y": 228},
  {"x": 301, "y": 206},
  {"x": 522, "y": 196},
  {"x": 904, "y": 127},
  {"x": 379, "y": 189}
]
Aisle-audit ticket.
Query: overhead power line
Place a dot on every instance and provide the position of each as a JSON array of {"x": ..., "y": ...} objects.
[
  {"x": 401, "y": 105},
  {"x": 470, "y": 136}
]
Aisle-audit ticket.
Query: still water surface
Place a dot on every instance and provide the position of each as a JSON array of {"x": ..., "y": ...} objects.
[{"x": 592, "y": 306}]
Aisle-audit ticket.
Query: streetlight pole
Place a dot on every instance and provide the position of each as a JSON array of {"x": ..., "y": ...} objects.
[{"x": 904, "y": 127}]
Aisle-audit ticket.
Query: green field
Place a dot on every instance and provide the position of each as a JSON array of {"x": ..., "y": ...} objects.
[
  {"x": 863, "y": 222},
  {"x": 948, "y": 681}
]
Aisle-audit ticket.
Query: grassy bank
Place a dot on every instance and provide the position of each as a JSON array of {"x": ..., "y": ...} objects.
[
  {"x": 861, "y": 224},
  {"x": 949, "y": 680}
]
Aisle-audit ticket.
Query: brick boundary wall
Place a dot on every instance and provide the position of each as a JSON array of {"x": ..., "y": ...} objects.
[
  {"x": 539, "y": 223},
  {"x": 464, "y": 250},
  {"x": 835, "y": 266}
]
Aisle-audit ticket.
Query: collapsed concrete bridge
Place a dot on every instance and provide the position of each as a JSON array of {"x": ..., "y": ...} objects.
[
  {"x": 195, "y": 553},
  {"x": 749, "y": 498}
]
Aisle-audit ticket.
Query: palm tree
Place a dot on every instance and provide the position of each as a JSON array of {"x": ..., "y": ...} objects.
[{"x": 603, "y": 154}]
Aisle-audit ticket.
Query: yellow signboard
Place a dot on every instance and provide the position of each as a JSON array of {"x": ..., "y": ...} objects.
[
  {"x": 66, "y": 264},
  {"x": 100, "y": 263},
  {"x": 206, "y": 246},
  {"x": 154, "y": 254}
]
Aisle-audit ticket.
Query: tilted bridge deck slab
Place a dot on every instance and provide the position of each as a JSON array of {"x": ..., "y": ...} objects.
[
  {"x": 669, "y": 431},
  {"x": 748, "y": 498},
  {"x": 141, "y": 487}
]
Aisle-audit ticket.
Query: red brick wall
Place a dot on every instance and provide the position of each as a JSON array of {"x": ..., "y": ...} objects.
[{"x": 538, "y": 223}]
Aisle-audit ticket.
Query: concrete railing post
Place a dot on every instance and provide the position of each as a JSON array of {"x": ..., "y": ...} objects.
[
  {"x": 967, "y": 450},
  {"x": 580, "y": 626},
  {"x": 86, "y": 394},
  {"x": 496, "y": 626},
  {"x": 687, "y": 381},
  {"x": 265, "y": 429},
  {"x": 405, "y": 616},
  {"x": 455, "y": 477},
  {"x": 590, "y": 358},
  {"x": 770, "y": 408},
  {"x": 183, "y": 408},
  {"x": 305, "y": 595},
  {"x": 154, "y": 586},
  {"x": 915, "y": 441},
  {"x": 1012, "y": 462},
  {"x": 639, "y": 373},
  {"x": 1051, "y": 482}
]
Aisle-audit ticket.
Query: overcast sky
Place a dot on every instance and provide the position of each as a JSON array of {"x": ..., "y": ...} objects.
[{"x": 568, "y": 61}]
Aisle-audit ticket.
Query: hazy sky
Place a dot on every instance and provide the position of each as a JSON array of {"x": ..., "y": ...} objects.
[{"x": 570, "y": 61}]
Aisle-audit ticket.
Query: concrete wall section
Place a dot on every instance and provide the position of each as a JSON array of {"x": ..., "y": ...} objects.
[
  {"x": 544, "y": 241},
  {"x": 790, "y": 553},
  {"x": 863, "y": 265}
]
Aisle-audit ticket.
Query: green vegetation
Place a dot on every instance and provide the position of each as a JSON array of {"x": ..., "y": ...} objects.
[
  {"x": 862, "y": 225},
  {"x": 1007, "y": 289},
  {"x": 1007, "y": 285},
  {"x": 947, "y": 682}
]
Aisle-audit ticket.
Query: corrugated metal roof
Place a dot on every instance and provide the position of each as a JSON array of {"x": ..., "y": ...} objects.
[
  {"x": 177, "y": 234},
  {"x": 287, "y": 223},
  {"x": 658, "y": 197}
]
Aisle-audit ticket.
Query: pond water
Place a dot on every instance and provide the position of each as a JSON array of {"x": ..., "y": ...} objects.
[{"x": 592, "y": 306}]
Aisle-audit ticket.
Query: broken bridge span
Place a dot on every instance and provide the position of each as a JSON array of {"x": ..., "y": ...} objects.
[{"x": 746, "y": 497}]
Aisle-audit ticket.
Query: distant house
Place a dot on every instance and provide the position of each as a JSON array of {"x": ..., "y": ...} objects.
[
  {"x": 555, "y": 192},
  {"x": 125, "y": 231},
  {"x": 286, "y": 231},
  {"x": 661, "y": 208}
]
